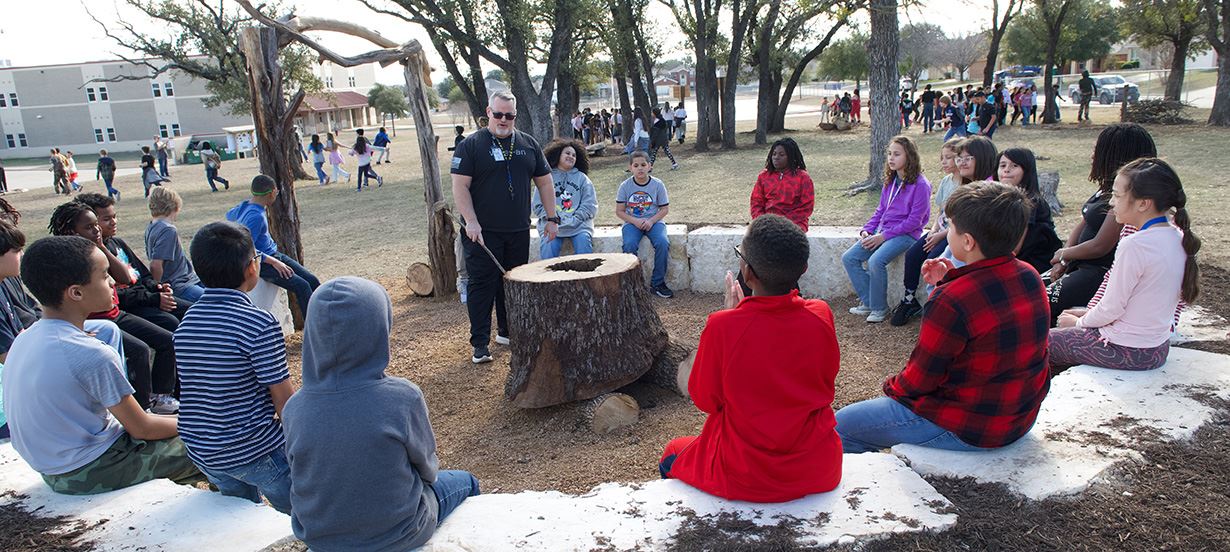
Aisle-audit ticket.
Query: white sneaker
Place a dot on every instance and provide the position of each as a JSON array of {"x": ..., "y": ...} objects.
[
  {"x": 163, "y": 404},
  {"x": 861, "y": 310},
  {"x": 500, "y": 339},
  {"x": 461, "y": 288},
  {"x": 877, "y": 316}
]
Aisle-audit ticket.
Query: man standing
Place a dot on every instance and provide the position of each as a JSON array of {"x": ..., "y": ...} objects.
[
  {"x": 928, "y": 108},
  {"x": 160, "y": 150},
  {"x": 492, "y": 170},
  {"x": 1087, "y": 88}
]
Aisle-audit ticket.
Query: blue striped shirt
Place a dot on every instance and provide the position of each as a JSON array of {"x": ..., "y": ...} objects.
[{"x": 229, "y": 352}]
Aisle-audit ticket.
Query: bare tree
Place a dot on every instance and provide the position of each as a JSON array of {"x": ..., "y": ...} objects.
[
  {"x": 1217, "y": 15},
  {"x": 1052, "y": 13},
  {"x": 962, "y": 52},
  {"x": 920, "y": 45},
  {"x": 882, "y": 51},
  {"x": 698, "y": 19},
  {"x": 999, "y": 26}
]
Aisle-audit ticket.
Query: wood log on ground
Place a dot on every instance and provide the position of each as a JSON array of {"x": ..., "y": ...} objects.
[
  {"x": 672, "y": 368},
  {"x": 596, "y": 150},
  {"x": 1048, "y": 184},
  {"x": 610, "y": 411},
  {"x": 418, "y": 277},
  {"x": 580, "y": 326}
]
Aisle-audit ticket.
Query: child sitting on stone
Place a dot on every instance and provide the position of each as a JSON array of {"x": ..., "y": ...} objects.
[
  {"x": 641, "y": 202},
  {"x": 764, "y": 373},
  {"x": 362, "y": 452},
  {"x": 978, "y": 374}
]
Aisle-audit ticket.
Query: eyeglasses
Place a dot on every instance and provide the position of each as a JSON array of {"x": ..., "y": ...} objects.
[
  {"x": 739, "y": 254},
  {"x": 256, "y": 258},
  {"x": 502, "y": 115},
  {"x": 965, "y": 158}
]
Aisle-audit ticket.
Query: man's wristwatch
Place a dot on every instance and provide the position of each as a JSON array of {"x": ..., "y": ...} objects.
[{"x": 554, "y": 219}]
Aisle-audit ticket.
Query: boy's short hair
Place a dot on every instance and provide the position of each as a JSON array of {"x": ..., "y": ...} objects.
[
  {"x": 994, "y": 214},
  {"x": 164, "y": 201},
  {"x": 777, "y": 251},
  {"x": 11, "y": 239},
  {"x": 96, "y": 200},
  {"x": 262, "y": 185},
  {"x": 638, "y": 154},
  {"x": 54, "y": 263},
  {"x": 220, "y": 253}
]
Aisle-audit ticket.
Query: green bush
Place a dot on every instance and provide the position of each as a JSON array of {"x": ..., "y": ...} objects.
[{"x": 1134, "y": 64}]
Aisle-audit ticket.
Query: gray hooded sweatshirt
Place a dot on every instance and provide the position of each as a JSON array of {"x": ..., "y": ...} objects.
[
  {"x": 360, "y": 444},
  {"x": 576, "y": 203}
]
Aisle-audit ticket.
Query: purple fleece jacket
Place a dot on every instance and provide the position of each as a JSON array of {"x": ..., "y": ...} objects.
[{"x": 906, "y": 213}]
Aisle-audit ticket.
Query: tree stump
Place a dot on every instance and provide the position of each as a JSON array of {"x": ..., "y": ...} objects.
[
  {"x": 582, "y": 325},
  {"x": 1048, "y": 184},
  {"x": 610, "y": 411},
  {"x": 672, "y": 368},
  {"x": 418, "y": 277}
]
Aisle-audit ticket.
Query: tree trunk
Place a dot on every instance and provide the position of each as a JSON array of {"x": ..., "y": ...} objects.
[
  {"x": 606, "y": 335},
  {"x": 1220, "y": 116},
  {"x": 1048, "y": 186},
  {"x": 734, "y": 61},
  {"x": 625, "y": 109},
  {"x": 275, "y": 140},
  {"x": 642, "y": 51},
  {"x": 988, "y": 72},
  {"x": 1048, "y": 115},
  {"x": 440, "y": 232},
  {"x": 778, "y": 122},
  {"x": 672, "y": 368},
  {"x": 1178, "y": 69},
  {"x": 882, "y": 53},
  {"x": 418, "y": 279},
  {"x": 767, "y": 98},
  {"x": 611, "y": 411},
  {"x": 706, "y": 87}
]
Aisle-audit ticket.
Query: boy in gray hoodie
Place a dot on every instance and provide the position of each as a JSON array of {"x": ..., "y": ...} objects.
[
  {"x": 576, "y": 202},
  {"x": 362, "y": 454}
]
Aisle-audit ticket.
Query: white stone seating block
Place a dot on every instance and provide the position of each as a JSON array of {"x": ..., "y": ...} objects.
[
  {"x": 711, "y": 252},
  {"x": 1091, "y": 419},
  {"x": 156, "y": 515},
  {"x": 609, "y": 239},
  {"x": 273, "y": 299},
  {"x": 878, "y": 496}
]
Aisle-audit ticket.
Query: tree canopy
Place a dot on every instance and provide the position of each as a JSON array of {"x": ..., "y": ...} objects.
[
  {"x": 389, "y": 100},
  {"x": 1089, "y": 30},
  {"x": 846, "y": 59}
]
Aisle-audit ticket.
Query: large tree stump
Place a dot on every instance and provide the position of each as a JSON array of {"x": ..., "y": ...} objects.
[
  {"x": 581, "y": 326},
  {"x": 418, "y": 278},
  {"x": 672, "y": 368}
]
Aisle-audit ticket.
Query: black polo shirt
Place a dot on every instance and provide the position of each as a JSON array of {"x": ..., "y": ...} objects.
[{"x": 501, "y": 187}]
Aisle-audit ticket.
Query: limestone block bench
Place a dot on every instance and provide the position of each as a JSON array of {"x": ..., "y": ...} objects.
[
  {"x": 878, "y": 496},
  {"x": 609, "y": 239},
  {"x": 156, "y": 515},
  {"x": 273, "y": 299},
  {"x": 1091, "y": 419}
]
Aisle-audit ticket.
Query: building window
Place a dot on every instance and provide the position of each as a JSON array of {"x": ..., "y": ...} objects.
[
  {"x": 3, "y": 102},
  {"x": 13, "y": 99},
  {"x": 21, "y": 139},
  {"x": 102, "y": 94},
  {"x": 162, "y": 131},
  {"x": 168, "y": 90},
  {"x": 175, "y": 129},
  {"x": 98, "y": 136},
  {"x": 350, "y": 80},
  {"x": 328, "y": 82},
  {"x": 11, "y": 140},
  {"x": 89, "y": 95},
  {"x": 157, "y": 90},
  {"x": 111, "y": 135}
]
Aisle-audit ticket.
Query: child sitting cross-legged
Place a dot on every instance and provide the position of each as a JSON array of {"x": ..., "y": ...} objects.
[
  {"x": 362, "y": 452},
  {"x": 641, "y": 202},
  {"x": 979, "y": 373},
  {"x": 233, "y": 374},
  {"x": 764, "y": 373},
  {"x": 67, "y": 399}
]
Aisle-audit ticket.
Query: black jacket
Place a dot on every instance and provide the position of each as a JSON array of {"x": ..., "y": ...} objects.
[{"x": 145, "y": 292}]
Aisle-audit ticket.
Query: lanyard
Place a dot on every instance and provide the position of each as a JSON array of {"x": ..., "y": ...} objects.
[
  {"x": 1153, "y": 221},
  {"x": 508, "y": 157},
  {"x": 892, "y": 194}
]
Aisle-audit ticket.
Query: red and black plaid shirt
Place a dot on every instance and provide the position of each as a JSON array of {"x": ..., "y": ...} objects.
[{"x": 980, "y": 367}]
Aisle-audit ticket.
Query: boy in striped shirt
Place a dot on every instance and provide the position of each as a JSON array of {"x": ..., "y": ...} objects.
[{"x": 233, "y": 374}]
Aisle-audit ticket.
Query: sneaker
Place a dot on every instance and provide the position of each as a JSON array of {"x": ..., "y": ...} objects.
[
  {"x": 461, "y": 289},
  {"x": 662, "y": 291},
  {"x": 501, "y": 339},
  {"x": 877, "y": 316},
  {"x": 163, "y": 404},
  {"x": 905, "y": 311},
  {"x": 481, "y": 355},
  {"x": 379, "y": 181},
  {"x": 674, "y": 166},
  {"x": 861, "y": 310}
]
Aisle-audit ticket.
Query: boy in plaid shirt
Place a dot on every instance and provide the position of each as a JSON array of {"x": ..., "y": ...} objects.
[{"x": 979, "y": 373}]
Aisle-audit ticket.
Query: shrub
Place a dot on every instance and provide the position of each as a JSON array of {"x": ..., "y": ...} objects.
[
  {"x": 1157, "y": 112},
  {"x": 1134, "y": 64}
]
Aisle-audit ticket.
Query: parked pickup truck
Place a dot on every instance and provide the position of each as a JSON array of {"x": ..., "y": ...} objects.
[{"x": 1110, "y": 89}]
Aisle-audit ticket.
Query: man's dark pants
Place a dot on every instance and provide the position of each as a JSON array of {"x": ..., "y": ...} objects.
[
  {"x": 486, "y": 285},
  {"x": 302, "y": 283}
]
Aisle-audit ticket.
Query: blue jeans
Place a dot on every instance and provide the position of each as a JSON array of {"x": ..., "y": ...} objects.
[
  {"x": 320, "y": 171},
  {"x": 871, "y": 283},
  {"x": 109, "y": 182},
  {"x": 661, "y": 248},
  {"x": 268, "y": 475},
  {"x": 875, "y": 424},
  {"x": 302, "y": 283},
  {"x": 928, "y": 115},
  {"x": 451, "y": 488},
  {"x": 955, "y": 130},
  {"x": 162, "y": 165},
  {"x": 582, "y": 244},
  {"x": 635, "y": 143},
  {"x": 211, "y": 175},
  {"x": 1025, "y": 109},
  {"x": 191, "y": 293}
]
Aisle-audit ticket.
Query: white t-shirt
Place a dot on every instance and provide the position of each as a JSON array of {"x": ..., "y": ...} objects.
[
  {"x": 58, "y": 384},
  {"x": 681, "y": 113},
  {"x": 668, "y": 115}
]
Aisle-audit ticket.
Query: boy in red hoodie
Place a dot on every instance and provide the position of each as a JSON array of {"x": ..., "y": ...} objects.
[{"x": 764, "y": 373}]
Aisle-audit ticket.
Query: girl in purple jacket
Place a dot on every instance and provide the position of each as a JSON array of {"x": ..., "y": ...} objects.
[{"x": 905, "y": 206}]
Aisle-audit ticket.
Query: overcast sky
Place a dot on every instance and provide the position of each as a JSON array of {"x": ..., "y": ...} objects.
[{"x": 60, "y": 31}]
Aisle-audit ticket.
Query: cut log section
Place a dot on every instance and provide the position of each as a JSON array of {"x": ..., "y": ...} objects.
[
  {"x": 580, "y": 326},
  {"x": 418, "y": 277},
  {"x": 672, "y": 368},
  {"x": 608, "y": 412}
]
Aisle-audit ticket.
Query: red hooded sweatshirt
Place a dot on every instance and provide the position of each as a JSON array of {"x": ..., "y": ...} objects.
[{"x": 764, "y": 372}]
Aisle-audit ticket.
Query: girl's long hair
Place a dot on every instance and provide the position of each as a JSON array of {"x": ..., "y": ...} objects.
[
  {"x": 983, "y": 151},
  {"x": 1152, "y": 178},
  {"x": 1024, "y": 158},
  {"x": 794, "y": 156},
  {"x": 1118, "y": 145},
  {"x": 556, "y": 147},
  {"x": 360, "y": 145},
  {"x": 913, "y": 163}
]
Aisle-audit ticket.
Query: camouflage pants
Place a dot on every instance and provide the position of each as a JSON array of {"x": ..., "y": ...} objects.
[{"x": 128, "y": 462}]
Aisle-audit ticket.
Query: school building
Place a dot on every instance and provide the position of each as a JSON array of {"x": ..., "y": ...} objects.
[{"x": 58, "y": 106}]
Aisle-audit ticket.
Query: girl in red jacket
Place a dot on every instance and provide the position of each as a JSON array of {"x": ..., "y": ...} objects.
[
  {"x": 764, "y": 373},
  {"x": 784, "y": 187}
]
